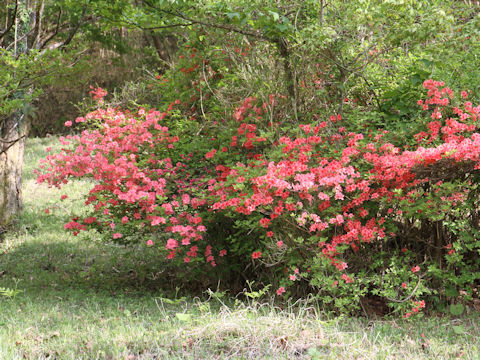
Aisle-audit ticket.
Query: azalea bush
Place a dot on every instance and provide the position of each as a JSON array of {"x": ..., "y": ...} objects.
[
  {"x": 320, "y": 209},
  {"x": 387, "y": 219},
  {"x": 136, "y": 188}
]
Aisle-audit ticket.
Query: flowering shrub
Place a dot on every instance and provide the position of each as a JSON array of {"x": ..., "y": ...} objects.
[
  {"x": 137, "y": 188},
  {"x": 334, "y": 195},
  {"x": 347, "y": 214}
]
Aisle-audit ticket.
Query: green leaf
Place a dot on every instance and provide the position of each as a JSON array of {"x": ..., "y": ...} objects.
[
  {"x": 415, "y": 79},
  {"x": 172, "y": 302},
  {"x": 456, "y": 309},
  {"x": 281, "y": 27},
  {"x": 275, "y": 15},
  {"x": 458, "y": 329}
]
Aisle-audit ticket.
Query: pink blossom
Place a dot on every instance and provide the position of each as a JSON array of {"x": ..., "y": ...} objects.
[{"x": 172, "y": 244}]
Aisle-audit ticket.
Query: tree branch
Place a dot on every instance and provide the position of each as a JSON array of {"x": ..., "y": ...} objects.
[
  {"x": 408, "y": 297},
  {"x": 76, "y": 27},
  {"x": 38, "y": 25},
  {"x": 146, "y": 28},
  {"x": 57, "y": 28},
  {"x": 177, "y": 14},
  {"x": 19, "y": 39}
]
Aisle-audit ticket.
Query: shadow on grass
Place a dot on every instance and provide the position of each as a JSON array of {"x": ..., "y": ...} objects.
[
  {"x": 45, "y": 260},
  {"x": 41, "y": 257}
]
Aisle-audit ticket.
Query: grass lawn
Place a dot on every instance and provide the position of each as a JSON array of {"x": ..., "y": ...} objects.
[{"x": 83, "y": 299}]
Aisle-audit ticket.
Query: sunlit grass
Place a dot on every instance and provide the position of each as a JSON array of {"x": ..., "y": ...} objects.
[{"x": 84, "y": 299}]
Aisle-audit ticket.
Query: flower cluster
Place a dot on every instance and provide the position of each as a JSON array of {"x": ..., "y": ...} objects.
[{"x": 131, "y": 194}]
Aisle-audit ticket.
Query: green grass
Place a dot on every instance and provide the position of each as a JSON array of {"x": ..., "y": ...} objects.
[{"x": 83, "y": 299}]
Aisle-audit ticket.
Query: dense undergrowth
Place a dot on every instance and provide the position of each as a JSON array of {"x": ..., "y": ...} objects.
[{"x": 347, "y": 216}]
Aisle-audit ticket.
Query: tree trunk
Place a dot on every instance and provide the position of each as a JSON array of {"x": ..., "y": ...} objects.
[
  {"x": 12, "y": 146},
  {"x": 290, "y": 77},
  {"x": 166, "y": 46}
]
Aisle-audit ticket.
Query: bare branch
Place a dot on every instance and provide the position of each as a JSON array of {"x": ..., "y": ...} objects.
[
  {"x": 57, "y": 28},
  {"x": 10, "y": 144},
  {"x": 11, "y": 141},
  {"x": 409, "y": 296},
  {"x": 38, "y": 24},
  {"x": 19, "y": 39},
  {"x": 147, "y": 28}
]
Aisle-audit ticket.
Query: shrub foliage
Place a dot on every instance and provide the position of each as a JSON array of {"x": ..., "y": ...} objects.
[{"x": 344, "y": 214}]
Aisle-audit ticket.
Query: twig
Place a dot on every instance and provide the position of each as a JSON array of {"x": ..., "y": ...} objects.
[
  {"x": 409, "y": 296},
  {"x": 11, "y": 143},
  {"x": 296, "y": 17}
]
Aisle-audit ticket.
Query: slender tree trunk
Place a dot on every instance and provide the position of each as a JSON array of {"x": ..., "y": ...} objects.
[
  {"x": 290, "y": 77},
  {"x": 165, "y": 46},
  {"x": 439, "y": 242},
  {"x": 12, "y": 147}
]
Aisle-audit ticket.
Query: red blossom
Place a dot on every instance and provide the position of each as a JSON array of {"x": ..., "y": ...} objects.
[{"x": 256, "y": 255}]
